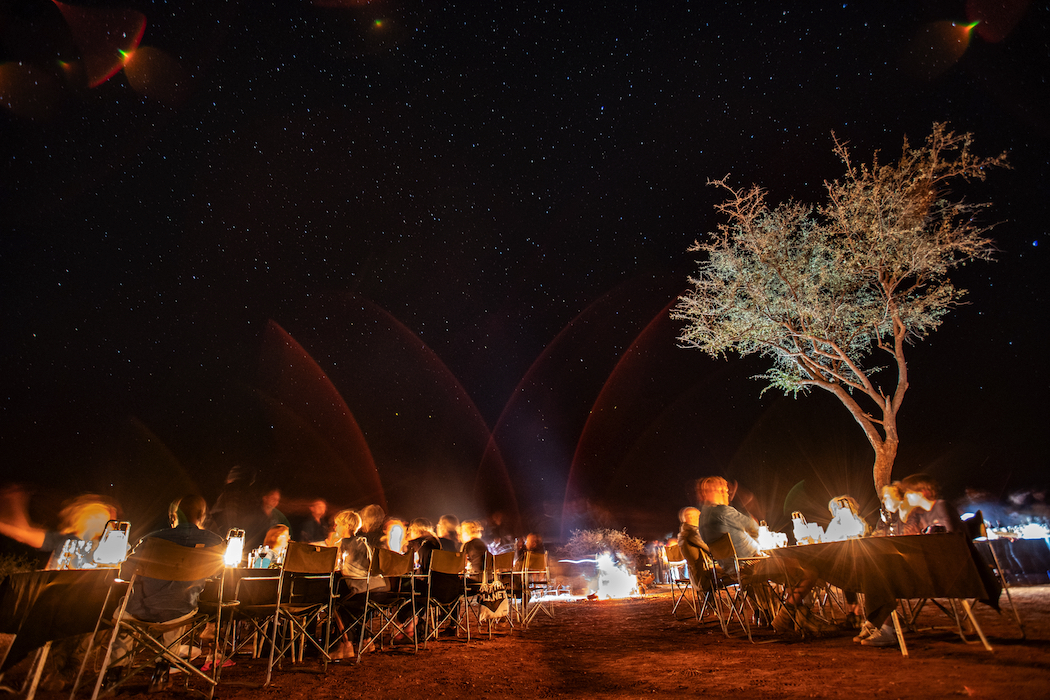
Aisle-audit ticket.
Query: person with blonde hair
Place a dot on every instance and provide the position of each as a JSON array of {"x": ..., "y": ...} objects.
[{"x": 82, "y": 520}]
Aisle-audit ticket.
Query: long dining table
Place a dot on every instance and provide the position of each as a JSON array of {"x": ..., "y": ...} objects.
[{"x": 909, "y": 567}]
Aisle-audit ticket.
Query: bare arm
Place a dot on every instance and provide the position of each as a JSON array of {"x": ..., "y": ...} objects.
[{"x": 32, "y": 536}]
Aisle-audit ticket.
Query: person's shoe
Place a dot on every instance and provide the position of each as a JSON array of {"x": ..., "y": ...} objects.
[
  {"x": 866, "y": 630},
  {"x": 343, "y": 652},
  {"x": 159, "y": 681},
  {"x": 882, "y": 637},
  {"x": 811, "y": 624},
  {"x": 784, "y": 620}
]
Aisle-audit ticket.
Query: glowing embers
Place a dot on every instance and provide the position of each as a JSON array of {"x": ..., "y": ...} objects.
[{"x": 105, "y": 36}]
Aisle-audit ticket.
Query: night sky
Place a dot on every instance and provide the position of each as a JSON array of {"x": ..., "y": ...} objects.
[{"x": 423, "y": 252}]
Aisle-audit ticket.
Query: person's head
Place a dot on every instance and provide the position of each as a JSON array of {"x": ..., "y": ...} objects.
[
  {"x": 471, "y": 530},
  {"x": 372, "y": 517},
  {"x": 714, "y": 489},
  {"x": 271, "y": 499},
  {"x": 86, "y": 517},
  {"x": 277, "y": 538},
  {"x": 420, "y": 527},
  {"x": 533, "y": 541},
  {"x": 448, "y": 526},
  {"x": 689, "y": 515},
  {"x": 892, "y": 496},
  {"x": 194, "y": 508},
  {"x": 919, "y": 488},
  {"x": 318, "y": 509},
  {"x": 843, "y": 502},
  {"x": 347, "y": 523}
]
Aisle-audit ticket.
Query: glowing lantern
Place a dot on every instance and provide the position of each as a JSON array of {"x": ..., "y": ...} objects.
[
  {"x": 234, "y": 547},
  {"x": 113, "y": 547}
]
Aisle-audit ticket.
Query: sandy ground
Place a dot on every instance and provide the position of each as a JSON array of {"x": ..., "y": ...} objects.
[{"x": 635, "y": 648}]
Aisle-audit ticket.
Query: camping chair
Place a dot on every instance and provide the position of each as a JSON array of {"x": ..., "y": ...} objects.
[
  {"x": 534, "y": 583},
  {"x": 446, "y": 590},
  {"x": 702, "y": 592},
  {"x": 304, "y": 593},
  {"x": 681, "y": 588},
  {"x": 160, "y": 641},
  {"x": 257, "y": 603},
  {"x": 495, "y": 591},
  {"x": 731, "y": 584},
  {"x": 382, "y": 608}
]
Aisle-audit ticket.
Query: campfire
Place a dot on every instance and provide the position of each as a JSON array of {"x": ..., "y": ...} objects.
[{"x": 614, "y": 556}]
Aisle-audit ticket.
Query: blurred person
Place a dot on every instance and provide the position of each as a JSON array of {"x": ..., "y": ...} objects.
[
  {"x": 501, "y": 533},
  {"x": 934, "y": 513},
  {"x": 314, "y": 529},
  {"x": 691, "y": 544},
  {"x": 890, "y": 522},
  {"x": 533, "y": 542},
  {"x": 238, "y": 507},
  {"x": 277, "y": 538},
  {"x": 474, "y": 546},
  {"x": 81, "y": 524},
  {"x": 931, "y": 514},
  {"x": 846, "y": 522},
  {"x": 448, "y": 533},
  {"x": 271, "y": 498},
  {"x": 718, "y": 518},
  {"x": 421, "y": 542},
  {"x": 373, "y": 518},
  {"x": 355, "y": 558}
]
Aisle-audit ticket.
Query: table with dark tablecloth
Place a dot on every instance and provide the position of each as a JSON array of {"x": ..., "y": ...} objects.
[
  {"x": 913, "y": 566},
  {"x": 43, "y": 606}
]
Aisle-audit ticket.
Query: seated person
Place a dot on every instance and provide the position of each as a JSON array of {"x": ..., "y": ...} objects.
[
  {"x": 718, "y": 518},
  {"x": 845, "y": 523},
  {"x": 314, "y": 529},
  {"x": 475, "y": 548},
  {"x": 421, "y": 542},
  {"x": 72, "y": 546},
  {"x": 448, "y": 533},
  {"x": 926, "y": 513},
  {"x": 691, "y": 544},
  {"x": 533, "y": 542},
  {"x": 890, "y": 522},
  {"x": 156, "y": 600},
  {"x": 277, "y": 538},
  {"x": 934, "y": 514}
]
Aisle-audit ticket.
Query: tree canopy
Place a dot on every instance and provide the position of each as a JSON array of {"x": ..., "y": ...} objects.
[{"x": 833, "y": 293}]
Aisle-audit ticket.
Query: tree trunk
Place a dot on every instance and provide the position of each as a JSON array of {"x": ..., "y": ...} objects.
[{"x": 884, "y": 458}]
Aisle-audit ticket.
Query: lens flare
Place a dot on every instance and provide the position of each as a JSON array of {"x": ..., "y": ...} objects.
[
  {"x": 105, "y": 36},
  {"x": 154, "y": 74}
]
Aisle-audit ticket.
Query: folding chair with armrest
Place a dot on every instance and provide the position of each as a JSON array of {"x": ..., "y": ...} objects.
[
  {"x": 162, "y": 560},
  {"x": 535, "y": 580},
  {"x": 305, "y": 592},
  {"x": 446, "y": 591}
]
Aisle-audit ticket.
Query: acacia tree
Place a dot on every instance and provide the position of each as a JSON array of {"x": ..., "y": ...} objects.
[{"x": 833, "y": 294}]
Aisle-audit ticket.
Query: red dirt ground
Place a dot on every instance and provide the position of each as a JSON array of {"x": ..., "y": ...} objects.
[{"x": 635, "y": 648}]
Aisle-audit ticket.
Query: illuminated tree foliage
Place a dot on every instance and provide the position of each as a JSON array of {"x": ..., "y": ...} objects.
[{"x": 834, "y": 293}]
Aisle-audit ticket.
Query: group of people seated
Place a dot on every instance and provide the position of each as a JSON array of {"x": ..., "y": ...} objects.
[
  {"x": 357, "y": 534},
  {"x": 909, "y": 506}
]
